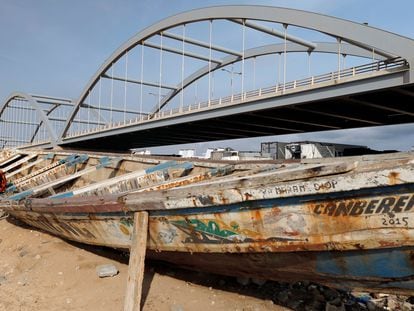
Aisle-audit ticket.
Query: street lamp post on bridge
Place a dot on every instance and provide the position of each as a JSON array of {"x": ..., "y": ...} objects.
[{"x": 231, "y": 72}]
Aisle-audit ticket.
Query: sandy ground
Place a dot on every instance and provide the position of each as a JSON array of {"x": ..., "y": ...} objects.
[{"x": 42, "y": 272}]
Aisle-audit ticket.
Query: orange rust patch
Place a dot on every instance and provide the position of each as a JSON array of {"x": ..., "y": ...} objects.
[
  {"x": 218, "y": 216},
  {"x": 292, "y": 233},
  {"x": 387, "y": 244},
  {"x": 257, "y": 215},
  {"x": 225, "y": 201},
  {"x": 275, "y": 211},
  {"x": 393, "y": 178},
  {"x": 124, "y": 229},
  {"x": 257, "y": 221},
  {"x": 323, "y": 226},
  {"x": 247, "y": 196}
]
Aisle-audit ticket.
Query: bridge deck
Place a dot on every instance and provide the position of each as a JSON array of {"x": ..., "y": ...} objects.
[{"x": 300, "y": 107}]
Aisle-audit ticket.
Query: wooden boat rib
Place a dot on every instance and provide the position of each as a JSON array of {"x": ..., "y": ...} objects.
[
  {"x": 132, "y": 181},
  {"x": 345, "y": 222},
  {"x": 10, "y": 175}
]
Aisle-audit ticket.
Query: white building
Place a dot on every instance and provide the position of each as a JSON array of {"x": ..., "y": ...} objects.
[{"x": 187, "y": 153}]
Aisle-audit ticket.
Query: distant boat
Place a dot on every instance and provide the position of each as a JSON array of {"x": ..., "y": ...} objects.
[{"x": 342, "y": 222}]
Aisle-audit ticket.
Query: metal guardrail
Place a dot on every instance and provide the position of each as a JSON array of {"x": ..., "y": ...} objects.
[{"x": 346, "y": 75}]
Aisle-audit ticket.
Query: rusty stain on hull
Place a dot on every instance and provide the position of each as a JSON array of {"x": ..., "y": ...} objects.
[
  {"x": 275, "y": 225},
  {"x": 327, "y": 222}
]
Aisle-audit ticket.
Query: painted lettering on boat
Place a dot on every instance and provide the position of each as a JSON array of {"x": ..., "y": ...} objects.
[
  {"x": 290, "y": 189},
  {"x": 64, "y": 228},
  {"x": 356, "y": 207},
  {"x": 395, "y": 221},
  {"x": 303, "y": 187},
  {"x": 325, "y": 185}
]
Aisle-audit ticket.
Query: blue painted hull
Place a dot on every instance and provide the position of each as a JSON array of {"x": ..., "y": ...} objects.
[{"x": 384, "y": 270}]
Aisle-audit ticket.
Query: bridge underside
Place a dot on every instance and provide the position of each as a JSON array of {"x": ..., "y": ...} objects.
[{"x": 382, "y": 107}]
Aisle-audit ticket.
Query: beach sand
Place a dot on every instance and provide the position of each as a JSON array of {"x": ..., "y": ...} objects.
[{"x": 39, "y": 271}]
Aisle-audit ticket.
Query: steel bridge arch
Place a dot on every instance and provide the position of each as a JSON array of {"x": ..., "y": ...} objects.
[
  {"x": 321, "y": 47},
  {"x": 384, "y": 43},
  {"x": 34, "y": 104}
]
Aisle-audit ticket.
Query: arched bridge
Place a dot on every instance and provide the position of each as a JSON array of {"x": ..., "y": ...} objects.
[
  {"x": 235, "y": 72},
  {"x": 30, "y": 120}
]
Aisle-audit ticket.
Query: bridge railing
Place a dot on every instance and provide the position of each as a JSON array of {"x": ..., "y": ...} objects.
[{"x": 349, "y": 74}]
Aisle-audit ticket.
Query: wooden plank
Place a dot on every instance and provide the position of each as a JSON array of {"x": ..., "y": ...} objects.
[
  {"x": 257, "y": 180},
  {"x": 136, "y": 262},
  {"x": 10, "y": 159},
  {"x": 179, "y": 182},
  {"x": 127, "y": 182},
  {"x": 26, "y": 167},
  {"x": 54, "y": 168},
  {"x": 40, "y": 172},
  {"x": 269, "y": 187},
  {"x": 204, "y": 195},
  {"x": 17, "y": 163}
]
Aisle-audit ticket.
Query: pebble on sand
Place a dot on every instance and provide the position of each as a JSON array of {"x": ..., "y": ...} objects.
[{"x": 107, "y": 270}]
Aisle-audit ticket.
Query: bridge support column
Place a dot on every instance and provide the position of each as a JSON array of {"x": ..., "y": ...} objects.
[{"x": 409, "y": 77}]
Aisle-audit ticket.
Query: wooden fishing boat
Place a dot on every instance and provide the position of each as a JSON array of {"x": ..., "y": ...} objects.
[{"x": 343, "y": 222}]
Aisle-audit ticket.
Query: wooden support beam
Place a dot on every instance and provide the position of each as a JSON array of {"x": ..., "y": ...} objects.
[{"x": 136, "y": 262}]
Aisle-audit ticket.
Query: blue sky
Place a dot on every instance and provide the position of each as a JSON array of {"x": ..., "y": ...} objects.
[{"x": 53, "y": 47}]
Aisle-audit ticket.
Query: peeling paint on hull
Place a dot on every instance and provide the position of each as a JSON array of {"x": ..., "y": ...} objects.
[
  {"x": 279, "y": 239},
  {"x": 341, "y": 224},
  {"x": 311, "y": 266}
]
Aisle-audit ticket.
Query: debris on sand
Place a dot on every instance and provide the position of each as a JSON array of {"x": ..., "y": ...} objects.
[{"x": 108, "y": 270}]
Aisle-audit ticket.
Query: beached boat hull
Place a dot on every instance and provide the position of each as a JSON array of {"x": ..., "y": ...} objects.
[
  {"x": 355, "y": 239},
  {"x": 347, "y": 223}
]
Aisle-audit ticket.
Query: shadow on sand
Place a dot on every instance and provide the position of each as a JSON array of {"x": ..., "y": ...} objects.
[{"x": 215, "y": 281}]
